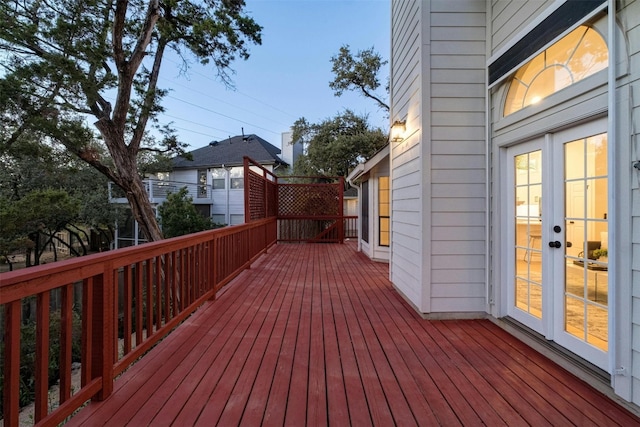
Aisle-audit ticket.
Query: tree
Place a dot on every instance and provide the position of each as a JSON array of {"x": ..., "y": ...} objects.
[
  {"x": 40, "y": 213},
  {"x": 29, "y": 165},
  {"x": 64, "y": 60},
  {"x": 12, "y": 237},
  {"x": 358, "y": 72},
  {"x": 336, "y": 145},
  {"x": 178, "y": 215}
]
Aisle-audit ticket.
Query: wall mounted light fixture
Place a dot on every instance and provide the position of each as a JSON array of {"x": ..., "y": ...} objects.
[{"x": 398, "y": 129}]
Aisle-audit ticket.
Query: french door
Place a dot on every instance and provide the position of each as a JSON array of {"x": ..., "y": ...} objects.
[{"x": 557, "y": 238}]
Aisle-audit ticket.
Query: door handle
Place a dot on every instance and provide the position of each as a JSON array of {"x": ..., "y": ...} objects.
[{"x": 555, "y": 244}]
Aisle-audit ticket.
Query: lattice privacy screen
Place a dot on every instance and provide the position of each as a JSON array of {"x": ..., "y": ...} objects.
[
  {"x": 309, "y": 200},
  {"x": 262, "y": 196}
]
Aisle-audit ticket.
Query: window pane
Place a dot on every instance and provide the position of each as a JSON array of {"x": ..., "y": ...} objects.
[
  {"x": 218, "y": 177},
  {"x": 237, "y": 219},
  {"x": 237, "y": 183},
  {"x": 217, "y": 184},
  {"x": 218, "y": 218},
  {"x": 383, "y": 210},
  {"x": 579, "y": 54},
  {"x": 384, "y": 231}
]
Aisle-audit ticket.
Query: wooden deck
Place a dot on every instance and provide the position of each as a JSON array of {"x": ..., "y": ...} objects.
[{"x": 316, "y": 335}]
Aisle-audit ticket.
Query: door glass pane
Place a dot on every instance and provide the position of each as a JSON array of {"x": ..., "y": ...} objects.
[
  {"x": 586, "y": 266},
  {"x": 528, "y": 232}
]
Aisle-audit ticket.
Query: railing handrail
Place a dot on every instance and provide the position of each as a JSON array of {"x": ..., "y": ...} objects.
[{"x": 94, "y": 264}]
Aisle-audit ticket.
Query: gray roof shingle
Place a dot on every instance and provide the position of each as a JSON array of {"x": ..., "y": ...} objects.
[{"x": 230, "y": 152}]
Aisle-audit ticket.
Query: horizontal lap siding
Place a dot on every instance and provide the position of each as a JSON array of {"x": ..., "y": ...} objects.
[
  {"x": 457, "y": 164},
  {"x": 510, "y": 17},
  {"x": 629, "y": 15},
  {"x": 407, "y": 174}
]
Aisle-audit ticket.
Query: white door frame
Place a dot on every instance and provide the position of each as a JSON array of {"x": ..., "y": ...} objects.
[{"x": 551, "y": 326}]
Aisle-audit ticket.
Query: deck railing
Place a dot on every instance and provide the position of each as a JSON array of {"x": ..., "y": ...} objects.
[
  {"x": 350, "y": 227},
  {"x": 130, "y": 299}
]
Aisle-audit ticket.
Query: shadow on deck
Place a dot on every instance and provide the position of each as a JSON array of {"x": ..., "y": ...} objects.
[{"x": 314, "y": 334}]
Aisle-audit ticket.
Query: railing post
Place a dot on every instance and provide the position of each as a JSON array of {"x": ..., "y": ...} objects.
[
  {"x": 103, "y": 331},
  {"x": 247, "y": 210},
  {"x": 341, "y": 211},
  {"x": 213, "y": 266},
  {"x": 11, "y": 386}
]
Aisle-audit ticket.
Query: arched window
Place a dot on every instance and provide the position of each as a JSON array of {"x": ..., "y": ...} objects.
[{"x": 577, "y": 55}]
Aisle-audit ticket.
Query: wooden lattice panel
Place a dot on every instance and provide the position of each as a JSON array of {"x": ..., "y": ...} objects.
[
  {"x": 272, "y": 199},
  {"x": 257, "y": 196},
  {"x": 309, "y": 200}
]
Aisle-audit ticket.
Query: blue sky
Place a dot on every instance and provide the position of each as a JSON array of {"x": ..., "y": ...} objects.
[{"x": 287, "y": 77}]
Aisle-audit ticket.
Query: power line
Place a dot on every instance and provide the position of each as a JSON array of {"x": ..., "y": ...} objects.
[
  {"x": 173, "y": 82},
  {"x": 200, "y": 133},
  {"x": 239, "y": 92},
  {"x": 196, "y": 123},
  {"x": 223, "y": 115}
]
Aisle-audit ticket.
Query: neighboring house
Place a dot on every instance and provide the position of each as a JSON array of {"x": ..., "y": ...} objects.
[
  {"x": 219, "y": 166},
  {"x": 372, "y": 179},
  {"x": 290, "y": 150},
  {"x": 214, "y": 177},
  {"x": 519, "y": 159},
  {"x": 350, "y": 202}
]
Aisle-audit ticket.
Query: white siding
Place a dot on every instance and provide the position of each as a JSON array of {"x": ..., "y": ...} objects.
[
  {"x": 438, "y": 178},
  {"x": 508, "y": 17},
  {"x": 409, "y": 45},
  {"x": 457, "y": 147},
  {"x": 629, "y": 17}
]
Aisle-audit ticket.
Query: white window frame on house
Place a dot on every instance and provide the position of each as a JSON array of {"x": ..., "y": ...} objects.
[
  {"x": 202, "y": 184},
  {"x": 218, "y": 178},
  {"x": 384, "y": 212},
  {"x": 236, "y": 178}
]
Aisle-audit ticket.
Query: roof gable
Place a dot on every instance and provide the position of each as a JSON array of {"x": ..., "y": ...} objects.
[{"x": 230, "y": 152}]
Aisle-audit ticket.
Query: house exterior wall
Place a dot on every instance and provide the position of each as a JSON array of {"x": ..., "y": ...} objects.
[
  {"x": 438, "y": 171},
  {"x": 628, "y": 16},
  {"x": 446, "y": 215},
  {"x": 410, "y": 46}
]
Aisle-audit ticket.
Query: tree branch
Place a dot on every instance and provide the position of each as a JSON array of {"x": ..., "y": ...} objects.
[
  {"x": 150, "y": 96},
  {"x": 375, "y": 98},
  {"x": 127, "y": 69}
]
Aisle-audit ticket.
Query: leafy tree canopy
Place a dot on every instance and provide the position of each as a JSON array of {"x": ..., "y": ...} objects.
[
  {"x": 358, "y": 73},
  {"x": 178, "y": 215},
  {"x": 29, "y": 171},
  {"x": 66, "y": 60},
  {"x": 336, "y": 145}
]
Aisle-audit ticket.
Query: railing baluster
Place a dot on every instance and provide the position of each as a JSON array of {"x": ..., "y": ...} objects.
[
  {"x": 149, "y": 310},
  {"x": 42, "y": 355},
  {"x": 167, "y": 287},
  {"x": 139, "y": 302},
  {"x": 66, "y": 341},
  {"x": 174, "y": 283},
  {"x": 103, "y": 330},
  {"x": 87, "y": 334},
  {"x": 116, "y": 312},
  {"x": 184, "y": 255},
  {"x": 158, "y": 292},
  {"x": 127, "y": 310}
]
